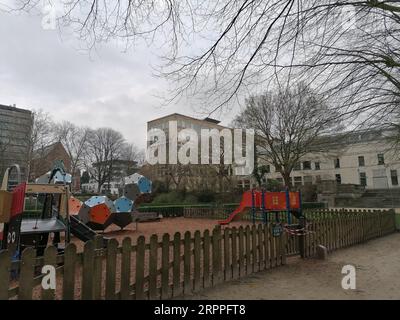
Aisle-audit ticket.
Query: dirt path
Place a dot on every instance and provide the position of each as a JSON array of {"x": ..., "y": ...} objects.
[{"x": 378, "y": 276}]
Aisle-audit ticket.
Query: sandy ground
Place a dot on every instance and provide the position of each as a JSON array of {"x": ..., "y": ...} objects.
[
  {"x": 377, "y": 265},
  {"x": 166, "y": 225}
]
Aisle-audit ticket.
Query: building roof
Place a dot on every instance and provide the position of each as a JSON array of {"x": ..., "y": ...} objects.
[
  {"x": 46, "y": 150},
  {"x": 13, "y": 108},
  {"x": 213, "y": 121}
]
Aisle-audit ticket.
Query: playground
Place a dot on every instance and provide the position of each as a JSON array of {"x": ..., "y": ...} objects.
[
  {"x": 376, "y": 265},
  {"x": 104, "y": 249}
]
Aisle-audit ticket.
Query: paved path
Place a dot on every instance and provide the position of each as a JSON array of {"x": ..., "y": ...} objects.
[{"x": 378, "y": 276}]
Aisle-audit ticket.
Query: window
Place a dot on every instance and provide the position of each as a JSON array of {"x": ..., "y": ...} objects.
[
  {"x": 393, "y": 175},
  {"x": 317, "y": 179},
  {"x": 297, "y": 166},
  {"x": 361, "y": 161},
  {"x": 307, "y": 180},
  {"x": 317, "y": 166},
  {"x": 298, "y": 181},
  {"x": 337, "y": 163},
  {"x": 307, "y": 165},
  {"x": 338, "y": 179},
  {"x": 381, "y": 159},
  {"x": 363, "y": 179},
  {"x": 280, "y": 180}
]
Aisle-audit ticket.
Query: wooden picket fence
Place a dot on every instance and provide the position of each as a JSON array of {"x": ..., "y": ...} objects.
[
  {"x": 172, "y": 267},
  {"x": 155, "y": 270},
  {"x": 336, "y": 229}
]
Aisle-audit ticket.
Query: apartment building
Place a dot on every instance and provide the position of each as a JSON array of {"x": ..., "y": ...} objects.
[
  {"x": 220, "y": 178},
  {"x": 366, "y": 158},
  {"x": 15, "y": 131}
]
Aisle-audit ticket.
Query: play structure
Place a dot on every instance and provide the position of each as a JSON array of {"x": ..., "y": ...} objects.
[
  {"x": 268, "y": 203},
  {"x": 99, "y": 212},
  {"x": 62, "y": 215},
  {"x": 54, "y": 223}
]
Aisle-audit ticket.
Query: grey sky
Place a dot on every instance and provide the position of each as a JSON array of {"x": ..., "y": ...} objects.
[{"x": 41, "y": 69}]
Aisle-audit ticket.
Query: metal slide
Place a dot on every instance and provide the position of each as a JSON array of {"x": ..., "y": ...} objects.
[{"x": 82, "y": 231}]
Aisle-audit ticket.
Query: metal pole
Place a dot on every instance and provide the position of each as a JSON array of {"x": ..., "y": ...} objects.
[
  {"x": 289, "y": 218},
  {"x": 264, "y": 212},
  {"x": 253, "y": 206}
]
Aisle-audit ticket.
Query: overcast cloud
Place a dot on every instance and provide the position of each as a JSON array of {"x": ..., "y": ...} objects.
[{"x": 42, "y": 69}]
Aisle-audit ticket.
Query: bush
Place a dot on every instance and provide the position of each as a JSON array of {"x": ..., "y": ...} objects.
[{"x": 206, "y": 196}]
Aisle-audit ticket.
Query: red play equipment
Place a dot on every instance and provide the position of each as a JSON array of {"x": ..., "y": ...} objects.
[{"x": 267, "y": 202}]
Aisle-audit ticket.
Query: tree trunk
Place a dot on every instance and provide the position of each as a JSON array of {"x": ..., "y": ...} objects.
[{"x": 286, "y": 179}]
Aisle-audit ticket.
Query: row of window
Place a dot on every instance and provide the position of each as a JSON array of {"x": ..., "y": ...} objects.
[
  {"x": 298, "y": 181},
  {"x": 336, "y": 163}
]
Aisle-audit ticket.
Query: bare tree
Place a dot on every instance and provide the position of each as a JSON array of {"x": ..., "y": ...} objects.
[
  {"x": 288, "y": 124},
  {"x": 348, "y": 47},
  {"x": 75, "y": 141},
  {"x": 131, "y": 152},
  {"x": 104, "y": 146},
  {"x": 42, "y": 135}
]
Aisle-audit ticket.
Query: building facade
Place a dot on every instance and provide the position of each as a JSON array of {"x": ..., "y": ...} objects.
[
  {"x": 366, "y": 158},
  {"x": 15, "y": 133},
  {"x": 191, "y": 177}
]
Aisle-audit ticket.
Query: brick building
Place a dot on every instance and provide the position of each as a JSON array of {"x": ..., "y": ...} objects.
[{"x": 43, "y": 161}]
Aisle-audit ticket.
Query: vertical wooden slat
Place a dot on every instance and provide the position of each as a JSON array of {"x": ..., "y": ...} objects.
[
  {"x": 153, "y": 261},
  {"x": 140, "y": 257},
  {"x": 197, "y": 261},
  {"x": 235, "y": 267},
  {"x": 273, "y": 249},
  {"x": 176, "y": 272},
  {"x": 283, "y": 249},
  {"x": 261, "y": 260},
  {"x": 126, "y": 268},
  {"x": 216, "y": 255},
  {"x": 248, "y": 250},
  {"x": 267, "y": 248},
  {"x": 187, "y": 257},
  {"x": 97, "y": 267},
  {"x": 227, "y": 255},
  {"x": 254, "y": 249},
  {"x": 5, "y": 264},
  {"x": 69, "y": 272},
  {"x": 50, "y": 259},
  {"x": 87, "y": 271},
  {"x": 111, "y": 269},
  {"x": 165, "y": 267},
  {"x": 206, "y": 259},
  {"x": 242, "y": 270},
  {"x": 26, "y": 275}
]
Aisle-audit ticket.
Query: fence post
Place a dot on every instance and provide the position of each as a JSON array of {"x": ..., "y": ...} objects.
[
  {"x": 153, "y": 262},
  {"x": 165, "y": 267},
  {"x": 111, "y": 268},
  {"x": 206, "y": 259},
  {"x": 216, "y": 254},
  {"x": 97, "y": 267},
  {"x": 126, "y": 269},
  {"x": 197, "y": 260},
  {"x": 227, "y": 272},
  {"x": 187, "y": 257},
  {"x": 50, "y": 258},
  {"x": 27, "y": 273},
  {"x": 176, "y": 266},
  {"x": 87, "y": 271}
]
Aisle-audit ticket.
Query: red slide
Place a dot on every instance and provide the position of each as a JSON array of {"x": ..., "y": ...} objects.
[{"x": 245, "y": 203}]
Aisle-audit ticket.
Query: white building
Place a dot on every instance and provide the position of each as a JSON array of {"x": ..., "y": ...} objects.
[{"x": 361, "y": 157}]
